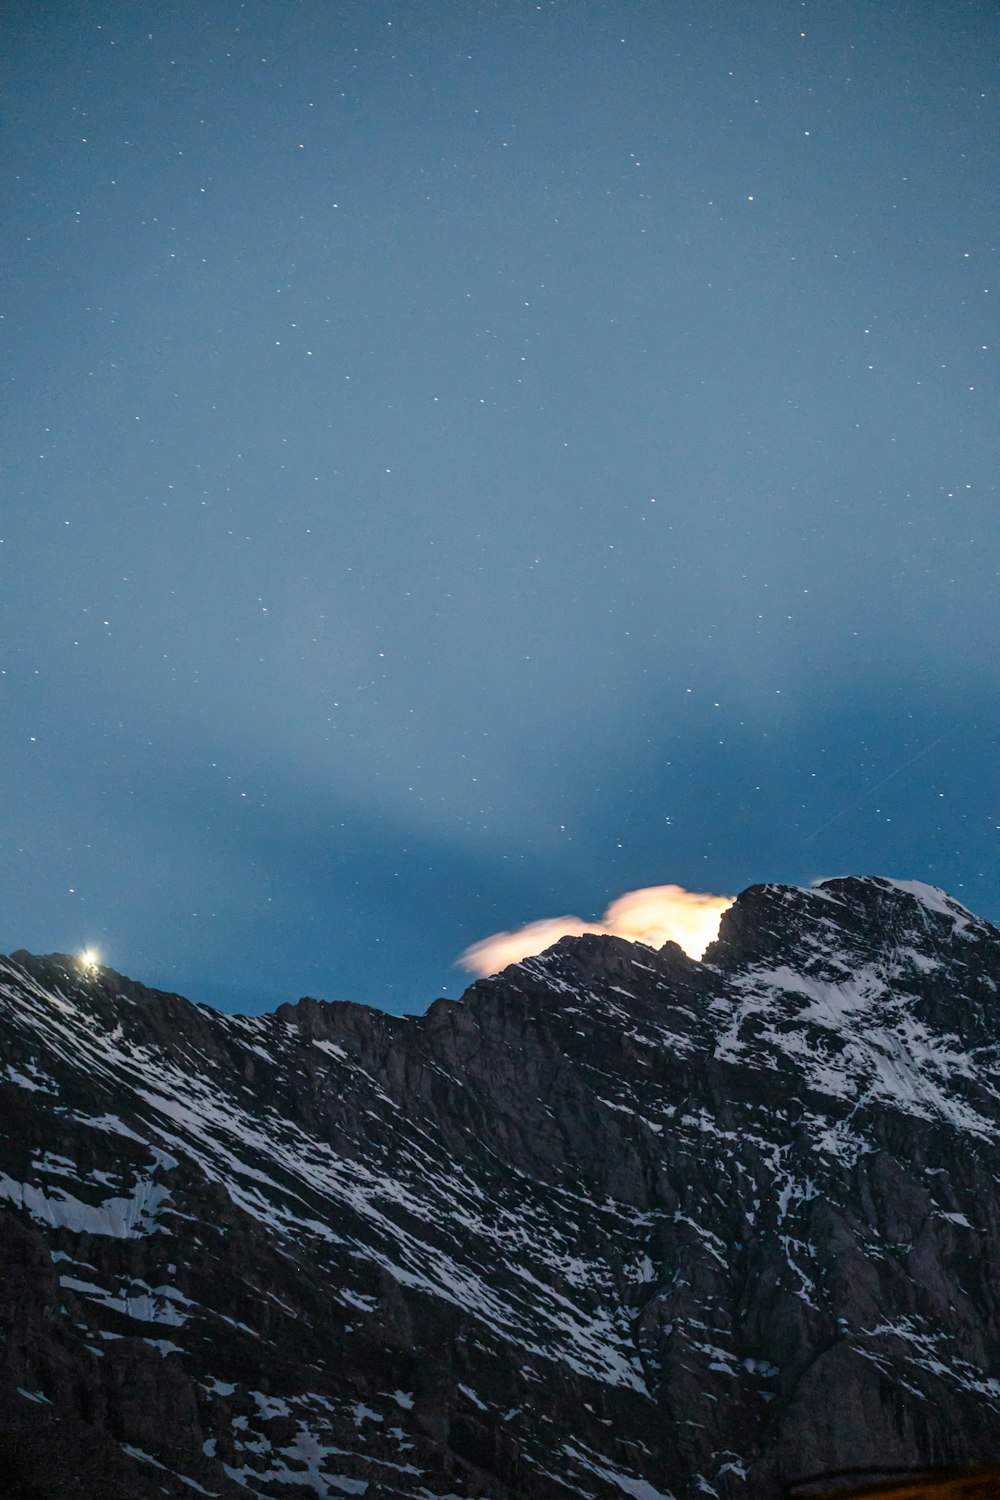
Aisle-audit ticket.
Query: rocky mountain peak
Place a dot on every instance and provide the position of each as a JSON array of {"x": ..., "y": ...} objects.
[
  {"x": 849, "y": 912},
  {"x": 616, "y": 1223}
]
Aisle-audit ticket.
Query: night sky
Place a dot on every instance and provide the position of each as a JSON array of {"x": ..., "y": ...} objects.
[{"x": 464, "y": 461}]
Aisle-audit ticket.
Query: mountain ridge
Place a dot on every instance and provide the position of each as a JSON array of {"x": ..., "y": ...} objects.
[{"x": 616, "y": 1222}]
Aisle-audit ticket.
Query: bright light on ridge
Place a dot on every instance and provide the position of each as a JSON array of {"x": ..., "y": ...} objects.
[{"x": 655, "y": 915}]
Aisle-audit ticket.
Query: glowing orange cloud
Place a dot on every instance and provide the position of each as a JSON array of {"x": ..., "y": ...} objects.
[{"x": 654, "y": 916}]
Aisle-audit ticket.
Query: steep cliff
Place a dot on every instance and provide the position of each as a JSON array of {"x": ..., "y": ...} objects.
[{"x": 615, "y": 1223}]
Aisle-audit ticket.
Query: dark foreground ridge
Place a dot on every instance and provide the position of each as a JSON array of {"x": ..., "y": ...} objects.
[{"x": 615, "y": 1224}]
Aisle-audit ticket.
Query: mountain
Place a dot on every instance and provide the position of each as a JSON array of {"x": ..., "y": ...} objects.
[{"x": 616, "y": 1223}]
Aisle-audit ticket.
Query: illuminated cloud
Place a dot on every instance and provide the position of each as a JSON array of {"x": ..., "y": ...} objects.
[{"x": 655, "y": 915}]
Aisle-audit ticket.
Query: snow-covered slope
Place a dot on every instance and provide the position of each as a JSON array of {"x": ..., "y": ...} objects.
[{"x": 616, "y": 1223}]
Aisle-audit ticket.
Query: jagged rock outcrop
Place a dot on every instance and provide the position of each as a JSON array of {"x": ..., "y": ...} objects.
[{"x": 615, "y": 1223}]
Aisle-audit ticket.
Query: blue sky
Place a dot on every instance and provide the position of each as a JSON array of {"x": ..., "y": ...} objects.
[{"x": 466, "y": 461}]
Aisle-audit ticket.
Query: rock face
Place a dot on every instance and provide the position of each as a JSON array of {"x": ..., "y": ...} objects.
[{"x": 615, "y": 1224}]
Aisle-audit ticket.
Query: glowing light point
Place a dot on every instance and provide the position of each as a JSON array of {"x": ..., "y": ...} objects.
[{"x": 90, "y": 959}]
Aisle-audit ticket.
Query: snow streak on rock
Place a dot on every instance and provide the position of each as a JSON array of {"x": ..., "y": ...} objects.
[{"x": 617, "y": 1223}]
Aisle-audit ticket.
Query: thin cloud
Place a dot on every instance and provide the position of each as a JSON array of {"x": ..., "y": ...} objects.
[{"x": 655, "y": 915}]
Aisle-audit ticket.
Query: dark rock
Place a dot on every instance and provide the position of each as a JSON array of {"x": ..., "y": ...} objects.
[{"x": 617, "y": 1223}]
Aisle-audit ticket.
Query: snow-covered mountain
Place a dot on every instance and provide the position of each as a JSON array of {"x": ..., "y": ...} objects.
[{"x": 617, "y": 1223}]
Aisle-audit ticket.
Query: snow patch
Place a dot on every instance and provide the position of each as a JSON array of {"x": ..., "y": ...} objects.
[{"x": 118, "y": 1218}]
